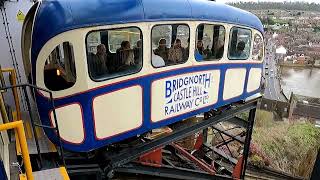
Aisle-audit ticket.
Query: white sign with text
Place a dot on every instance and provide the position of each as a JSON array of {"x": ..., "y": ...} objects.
[{"x": 177, "y": 95}]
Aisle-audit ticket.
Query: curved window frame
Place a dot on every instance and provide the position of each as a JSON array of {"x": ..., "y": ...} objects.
[
  {"x": 263, "y": 47},
  {"x": 224, "y": 40},
  {"x": 115, "y": 75},
  {"x": 229, "y": 46},
  {"x": 152, "y": 49},
  {"x": 72, "y": 56}
]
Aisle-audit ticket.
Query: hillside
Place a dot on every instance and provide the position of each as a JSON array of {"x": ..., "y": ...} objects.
[{"x": 289, "y": 6}]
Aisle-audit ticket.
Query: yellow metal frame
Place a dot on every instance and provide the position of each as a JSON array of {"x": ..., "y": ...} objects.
[
  {"x": 17, "y": 126},
  {"x": 13, "y": 81},
  {"x": 17, "y": 115},
  {"x": 19, "y": 129}
]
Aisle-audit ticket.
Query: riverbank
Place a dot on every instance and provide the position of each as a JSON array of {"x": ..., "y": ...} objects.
[
  {"x": 297, "y": 65},
  {"x": 300, "y": 80}
]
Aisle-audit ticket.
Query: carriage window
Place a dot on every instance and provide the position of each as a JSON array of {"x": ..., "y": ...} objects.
[
  {"x": 59, "y": 69},
  {"x": 170, "y": 45},
  {"x": 257, "y": 51},
  {"x": 114, "y": 53},
  {"x": 240, "y": 44},
  {"x": 209, "y": 42}
]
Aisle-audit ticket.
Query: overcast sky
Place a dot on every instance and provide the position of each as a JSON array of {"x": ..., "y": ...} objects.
[{"x": 224, "y": 1}]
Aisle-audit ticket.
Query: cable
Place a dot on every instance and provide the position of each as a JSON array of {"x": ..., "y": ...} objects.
[{"x": 12, "y": 51}]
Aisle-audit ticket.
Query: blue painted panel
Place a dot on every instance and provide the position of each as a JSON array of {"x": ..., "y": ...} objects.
[
  {"x": 85, "y": 99},
  {"x": 57, "y": 16},
  {"x": 3, "y": 174},
  {"x": 51, "y": 18},
  {"x": 224, "y": 13},
  {"x": 167, "y": 10},
  {"x": 98, "y": 12}
]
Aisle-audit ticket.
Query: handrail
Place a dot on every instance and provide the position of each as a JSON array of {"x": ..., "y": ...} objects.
[
  {"x": 18, "y": 126},
  {"x": 24, "y": 91},
  {"x": 14, "y": 89}
]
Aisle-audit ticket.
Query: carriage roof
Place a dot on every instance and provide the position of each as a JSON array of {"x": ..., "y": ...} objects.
[{"x": 57, "y": 16}]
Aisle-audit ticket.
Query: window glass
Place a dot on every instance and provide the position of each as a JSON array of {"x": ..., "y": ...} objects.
[
  {"x": 59, "y": 69},
  {"x": 257, "y": 51},
  {"x": 240, "y": 44},
  {"x": 114, "y": 53},
  {"x": 209, "y": 42},
  {"x": 170, "y": 44}
]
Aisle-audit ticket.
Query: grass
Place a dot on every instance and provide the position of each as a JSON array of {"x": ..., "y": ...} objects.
[
  {"x": 263, "y": 119},
  {"x": 290, "y": 147}
]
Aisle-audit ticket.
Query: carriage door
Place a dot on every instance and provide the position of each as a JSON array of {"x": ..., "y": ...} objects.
[{"x": 114, "y": 59}]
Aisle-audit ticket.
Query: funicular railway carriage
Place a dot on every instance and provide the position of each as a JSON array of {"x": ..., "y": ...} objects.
[{"x": 119, "y": 68}]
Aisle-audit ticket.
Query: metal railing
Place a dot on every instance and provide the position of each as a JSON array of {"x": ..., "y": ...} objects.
[
  {"x": 18, "y": 126},
  {"x": 33, "y": 88}
]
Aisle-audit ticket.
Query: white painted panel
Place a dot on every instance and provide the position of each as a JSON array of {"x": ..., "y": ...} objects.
[
  {"x": 118, "y": 112},
  {"x": 254, "y": 79},
  {"x": 70, "y": 123},
  {"x": 184, "y": 93},
  {"x": 234, "y": 83}
]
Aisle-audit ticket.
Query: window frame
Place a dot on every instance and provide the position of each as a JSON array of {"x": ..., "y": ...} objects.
[
  {"x": 113, "y": 76},
  {"x": 263, "y": 46},
  {"x": 166, "y": 24},
  {"x": 229, "y": 44},
  {"x": 224, "y": 40},
  {"x": 71, "y": 59},
  {"x": 117, "y": 29}
]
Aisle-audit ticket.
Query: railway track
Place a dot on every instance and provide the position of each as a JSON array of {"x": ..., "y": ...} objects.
[{"x": 269, "y": 174}]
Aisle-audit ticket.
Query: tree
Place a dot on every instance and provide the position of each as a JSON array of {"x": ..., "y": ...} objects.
[{"x": 300, "y": 6}]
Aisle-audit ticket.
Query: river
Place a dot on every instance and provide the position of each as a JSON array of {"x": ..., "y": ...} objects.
[{"x": 302, "y": 81}]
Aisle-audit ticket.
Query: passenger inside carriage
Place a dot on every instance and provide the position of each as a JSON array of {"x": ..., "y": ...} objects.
[
  {"x": 101, "y": 59},
  {"x": 162, "y": 50},
  {"x": 125, "y": 56},
  {"x": 176, "y": 53},
  {"x": 170, "y": 42},
  {"x": 98, "y": 62},
  {"x": 239, "y": 53},
  {"x": 219, "y": 49},
  {"x": 110, "y": 53},
  {"x": 138, "y": 52},
  {"x": 200, "y": 48},
  {"x": 240, "y": 44},
  {"x": 157, "y": 61},
  {"x": 212, "y": 37}
]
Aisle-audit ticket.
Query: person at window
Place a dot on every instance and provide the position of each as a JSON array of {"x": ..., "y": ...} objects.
[
  {"x": 207, "y": 53},
  {"x": 137, "y": 52},
  {"x": 219, "y": 50},
  {"x": 162, "y": 50},
  {"x": 126, "y": 56},
  {"x": 200, "y": 48},
  {"x": 239, "y": 53},
  {"x": 199, "y": 51},
  {"x": 186, "y": 51},
  {"x": 176, "y": 52},
  {"x": 119, "y": 60},
  {"x": 99, "y": 61},
  {"x": 157, "y": 61}
]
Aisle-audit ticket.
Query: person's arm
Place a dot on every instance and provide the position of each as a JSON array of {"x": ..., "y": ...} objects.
[{"x": 170, "y": 55}]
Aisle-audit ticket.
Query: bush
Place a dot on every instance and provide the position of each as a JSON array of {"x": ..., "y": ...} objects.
[{"x": 291, "y": 147}]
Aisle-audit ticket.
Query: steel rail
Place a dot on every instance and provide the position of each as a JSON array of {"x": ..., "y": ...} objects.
[{"x": 130, "y": 154}]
